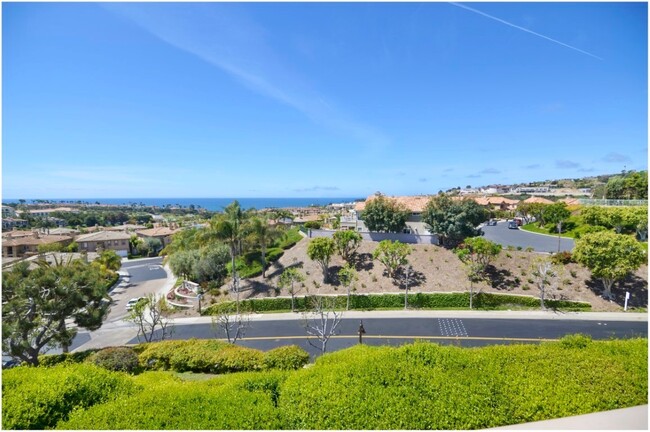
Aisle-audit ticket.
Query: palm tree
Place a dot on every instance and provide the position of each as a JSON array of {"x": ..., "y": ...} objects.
[{"x": 264, "y": 234}]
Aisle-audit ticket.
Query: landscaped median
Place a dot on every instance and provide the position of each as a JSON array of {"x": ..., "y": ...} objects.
[
  {"x": 414, "y": 386},
  {"x": 482, "y": 301}
]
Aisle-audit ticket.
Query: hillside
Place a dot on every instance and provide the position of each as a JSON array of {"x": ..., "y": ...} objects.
[{"x": 436, "y": 269}]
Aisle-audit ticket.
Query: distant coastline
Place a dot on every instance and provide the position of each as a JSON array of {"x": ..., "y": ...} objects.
[{"x": 211, "y": 204}]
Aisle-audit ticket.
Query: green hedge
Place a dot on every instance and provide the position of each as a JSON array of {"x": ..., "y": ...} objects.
[
  {"x": 289, "y": 239},
  {"x": 122, "y": 359},
  {"x": 73, "y": 357},
  {"x": 38, "y": 398},
  {"x": 426, "y": 387},
  {"x": 213, "y": 356},
  {"x": 485, "y": 301},
  {"x": 245, "y": 401}
]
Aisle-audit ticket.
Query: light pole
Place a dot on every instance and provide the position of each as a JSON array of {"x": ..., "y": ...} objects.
[{"x": 362, "y": 331}]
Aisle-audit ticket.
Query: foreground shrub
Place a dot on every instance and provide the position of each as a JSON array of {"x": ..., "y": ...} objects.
[
  {"x": 242, "y": 401},
  {"x": 121, "y": 359},
  {"x": 286, "y": 358},
  {"x": 426, "y": 386},
  {"x": 396, "y": 301},
  {"x": 69, "y": 358},
  {"x": 37, "y": 398}
]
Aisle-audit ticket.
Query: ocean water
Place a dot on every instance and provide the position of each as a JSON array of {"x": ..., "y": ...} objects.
[{"x": 212, "y": 204}]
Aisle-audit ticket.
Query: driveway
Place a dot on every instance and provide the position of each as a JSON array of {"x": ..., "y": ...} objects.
[
  {"x": 139, "y": 278},
  {"x": 501, "y": 234}
]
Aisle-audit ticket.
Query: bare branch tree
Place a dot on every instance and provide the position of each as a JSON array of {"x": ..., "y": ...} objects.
[
  {"x": 546, "y": 277},
  {"x": 148, "y": 316},
  {"x": 322, "y": 322},
  {"x": 234, "y": 326}
]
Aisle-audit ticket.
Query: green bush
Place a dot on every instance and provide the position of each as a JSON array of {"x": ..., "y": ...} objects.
[
  {"x": 424, "y": 386},
  {"x": 242, "y": 401},
  {"x": 312, "y": 225},
  {"x": 37, "y": 398},
  {"x": 273, "y": 254},
  {"x": 562, "y": 258},
  {"x": 47, "y": 360},
  {"x": 289, "y": 239},
  {"x": 206, "y": 356},
  {"x": 286, "y": 358},
  {"x": 396, "y": 301},
  {"x": 121, "y": 359}
]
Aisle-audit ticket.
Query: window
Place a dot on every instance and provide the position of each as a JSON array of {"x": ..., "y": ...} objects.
[{"x": 407, "y": 231}]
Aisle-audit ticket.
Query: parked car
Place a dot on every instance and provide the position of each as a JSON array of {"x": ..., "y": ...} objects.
[
  {"x": 131, "y": 303},
  {"x": 512, "y": 225},
  {"x": 492, "y": 222},
  {"x": 8, "y": 364}
]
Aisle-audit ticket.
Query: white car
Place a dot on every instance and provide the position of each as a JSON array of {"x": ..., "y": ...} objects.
[{"x": 131, "y": 303}]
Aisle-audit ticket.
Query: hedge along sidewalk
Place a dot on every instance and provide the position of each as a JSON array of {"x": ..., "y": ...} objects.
[{"x": 451, "y": 300}]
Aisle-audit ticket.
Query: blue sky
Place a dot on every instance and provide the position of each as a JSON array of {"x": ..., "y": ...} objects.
[{"x": 327, "y": 99}]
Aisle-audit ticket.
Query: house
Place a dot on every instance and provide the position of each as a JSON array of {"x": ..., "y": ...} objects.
[
  {"x": 48, "y": 212},
  {"x": 131, "y": 228},
  {"x": 538, "y": 200},
  {"x": 497, "y": 203},
  {"x": 103, "y": 240},
  {"x": 8, "y": 212},
  {"x": 10, "y": 223},
  {"x": 164, "y": 234},
  {"x": 27, "y": 245},
  {"x": 414, "y": 224}
]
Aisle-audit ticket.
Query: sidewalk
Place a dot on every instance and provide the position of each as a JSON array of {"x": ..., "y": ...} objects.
[{"x": 635, "y": 418}]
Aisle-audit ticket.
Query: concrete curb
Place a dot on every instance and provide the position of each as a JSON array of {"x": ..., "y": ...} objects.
[{"x": 635, "y": 418}]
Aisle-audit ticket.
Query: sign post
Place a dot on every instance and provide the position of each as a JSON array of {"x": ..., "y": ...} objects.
[{"x": 627, "y": 297}]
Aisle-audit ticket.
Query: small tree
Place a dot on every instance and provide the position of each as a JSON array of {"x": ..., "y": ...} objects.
[
  {"x": 183, "y": 263},
  {"x": 392, "y": 255},
  {"x": 153, "y": 246},
  {"x": 477, "y": 253},
  {"x": 383, "y": 214},
  {"x": 347, "y": 276},
  {"x": 347, "y": 242},
  {"x": 321, "y": 250},
  {"x": 147, "y": 315},
  {"x": 546, "y": 276},
  {"x": 322, "y": 322},
  {"x": 110, "y": 259},
  {"x": 609, "y": 256},
  {"x": 452, "y": 220},
  {"x": 289, "y": 278},
  {"x": 557, "y": 214},
  {"x": 233, "y": 324}
]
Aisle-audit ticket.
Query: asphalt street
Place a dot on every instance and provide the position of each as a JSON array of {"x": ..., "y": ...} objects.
[
  {"x": 468, "y": 332},
  {"x": 501, "y": 234}
]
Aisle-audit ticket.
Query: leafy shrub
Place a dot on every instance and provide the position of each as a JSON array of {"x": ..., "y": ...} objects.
[
  {"x": 312, "y": 225},
  {"x": 587, "y": 229},
  {"x": 564, "y": 257},
  {"x": 69, "y": 358},
  {"x": 243, "y": 401},
  {"x": 289, "y": 239},
  {"x": 577, "y": 340},
  {"x": 206, "y": 356},
  {"x": 121, "y": 359},
  {"x": 37, "y": 398},
  {"x": 273, "y": 254},
  {"x": 286, "y": 358},
  {"x": 424, "y": 386}
]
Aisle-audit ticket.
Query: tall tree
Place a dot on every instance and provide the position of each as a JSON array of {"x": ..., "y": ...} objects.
[
  {"x": 38, "y": 302},
  {"x": 392, "y": 255},
  {"x": 263, "y": 234},
  {"x": 347, "y": 242},
  {"x": 384, "y": 215},
  {"x": 453, "y": 220},
  {"x": 557, "y": 214},
  {"x": 609, "y": 256},
  {"x": 321, "y": 250}
]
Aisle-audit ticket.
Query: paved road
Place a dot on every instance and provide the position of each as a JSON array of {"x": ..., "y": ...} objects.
[
  {"x": 468, "y": 332},
  {"x": 501, "y": 234}
]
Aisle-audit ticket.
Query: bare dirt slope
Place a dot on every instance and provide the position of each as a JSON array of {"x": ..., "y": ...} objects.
[{"x": 436, "y": 269}]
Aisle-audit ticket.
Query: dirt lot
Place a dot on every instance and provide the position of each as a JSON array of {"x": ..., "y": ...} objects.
[{"x": 436, "y": 269}]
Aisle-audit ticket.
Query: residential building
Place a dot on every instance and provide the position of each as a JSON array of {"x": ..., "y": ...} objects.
[
  {"x": 164, "y": 234},
  {"x": 536, "y": 199},
  {"x": 414, "y": 224},
  {"x": 11, "y": 223},
  {"x": 103, "y": 240},
  {"x": 48, "y": 212},
  {"x": 27, "y": 245},
  {"x": 8, "y": 212},
  {"x": 497, "y": 203}
]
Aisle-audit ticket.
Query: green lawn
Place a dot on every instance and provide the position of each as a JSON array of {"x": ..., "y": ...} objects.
[{"x": 534, "y": 227}]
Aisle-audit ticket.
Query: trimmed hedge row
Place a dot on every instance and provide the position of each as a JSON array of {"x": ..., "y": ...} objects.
[
  {"x": 38, "y": 398},
  {"x": 213, "y": 356},
  {"x": 416, "y": 386},
  {"x": 424, "y": 386},
  {"x": 396, "y": 301}
]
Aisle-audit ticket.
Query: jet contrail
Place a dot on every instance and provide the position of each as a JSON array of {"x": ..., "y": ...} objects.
[{"x": 523, "y": 29}]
